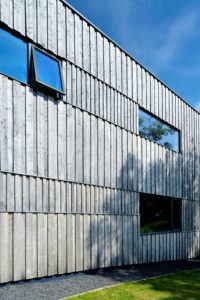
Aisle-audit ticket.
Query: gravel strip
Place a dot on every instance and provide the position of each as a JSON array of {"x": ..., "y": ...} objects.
[{"x": 58, "y": 287}]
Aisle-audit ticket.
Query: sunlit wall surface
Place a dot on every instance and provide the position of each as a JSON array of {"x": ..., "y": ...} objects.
[{"x": 157, "y": 131}]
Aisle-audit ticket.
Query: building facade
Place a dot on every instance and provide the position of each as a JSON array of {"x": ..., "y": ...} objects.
[{"x": 78, "y": 165}]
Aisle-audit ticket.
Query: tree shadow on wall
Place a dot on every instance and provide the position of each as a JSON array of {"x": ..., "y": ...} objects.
[{"x": 114, "y": 235}]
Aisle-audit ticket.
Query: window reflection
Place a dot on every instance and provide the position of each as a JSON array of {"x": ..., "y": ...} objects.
[
  {"x": 159, "y": 213},
  {"x": 13, "y": 56},
  {"x": 48, "y": 70},
  {"x": 157, "y": 131}
]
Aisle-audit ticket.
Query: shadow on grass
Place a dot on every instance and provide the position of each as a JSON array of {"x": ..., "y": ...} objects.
[{"x": 182, "y": 285}]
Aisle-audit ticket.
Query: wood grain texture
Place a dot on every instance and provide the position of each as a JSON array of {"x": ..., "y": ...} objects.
[{"x": 71, "y": 170}]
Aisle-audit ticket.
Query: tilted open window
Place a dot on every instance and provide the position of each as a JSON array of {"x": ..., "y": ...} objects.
[
  {"x": 159, "y": 213},
  {"x": 153, "y": 129},
  {"x": 46, "y": 72}
]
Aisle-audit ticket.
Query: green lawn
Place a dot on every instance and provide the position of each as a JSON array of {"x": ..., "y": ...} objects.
[{"x": 181, "y": 286}]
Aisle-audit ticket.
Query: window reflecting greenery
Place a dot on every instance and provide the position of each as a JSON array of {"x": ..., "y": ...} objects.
[
  {"x": 159, "y": 213},
  {"x": 157, "y": 131}
]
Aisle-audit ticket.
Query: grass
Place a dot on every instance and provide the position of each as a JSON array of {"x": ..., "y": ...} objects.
[{"x": 178, "y": 286}]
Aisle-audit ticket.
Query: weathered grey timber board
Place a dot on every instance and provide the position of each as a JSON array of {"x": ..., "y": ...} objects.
[{"x": 71, "y": 170}]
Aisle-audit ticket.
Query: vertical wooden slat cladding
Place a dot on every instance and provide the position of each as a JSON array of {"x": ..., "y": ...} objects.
[
  {"x": 31, "y": 19},
  {"x": 6, "y": 12},
  {"x": 71, "y": 170}
]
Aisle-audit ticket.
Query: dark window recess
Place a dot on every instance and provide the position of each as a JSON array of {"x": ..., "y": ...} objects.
[
  {"x": 13, "y": 56},
  {"x": 46, "y": 73},
  {"x": 157, "y": 131},
  {"x": 159, "y": 213}
]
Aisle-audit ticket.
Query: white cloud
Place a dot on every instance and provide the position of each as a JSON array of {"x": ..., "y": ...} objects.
[{"x": 179, "y": 33}]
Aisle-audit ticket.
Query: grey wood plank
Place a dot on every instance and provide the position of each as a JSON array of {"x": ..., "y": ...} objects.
[
  {"x": 7, "y": 10},
  {"x": 87, "y": 242},
  {"x": 62, "y": 141},
  {"x": 57, "y": 200},
  {"x": 63, "y": 196},
  {"x": 71, "y": 243},
  {"x": 70, "y": 143},
  {"x": 6, "y": 246},
  {"x": 93, "y": 150},
  {"x": 119, "y": 240},
  {"x": 41, "y": 135},
  {"x": 107, "y": 240},
  {"x": 19, "y": 127},
  {"x": 113, "y": 156},
  {"x": 77, "y": 87},
  {"x": 31, "y": 18},
  {"x": 42, "y": 244},
  {"x": 31, "y": 133},
  {"x": 52, "y": 138},
  {"x": 107, "y": 154},
  {"x": 61, "y": 29},
  {"x": 6, "y": 116},
  {"x": 86, "y": 52},
  {"x": 62, "y": 244},
  {"x": 10, "y": 193},
  {"x": 102, "y": 246},
  {"x": 70, "y": 34},
  {"x": 69, "y": 197},
  {"x": 79, "y": 242},
  {"x": 51, "y": 198},
  {"x": 106, "y": 61},
  {"x": 79, "y": 146},
  {"x": 94, "y": 241},
  {"x": 118, "y": 69},
  {"x": 42, "y": 22},
  {"x": 134, "y": 68},
  {"x": 129, "y": 77},
  {"x": 93, "y": 51},
  {"x": 31, "y": 245},
  {"x": 124, "y": 73},
  {"x": 86, "y": 147},
  {"x": 3, "y": 189},
  {"x": 130, "y": 239},
  {"x": 100, "y": 57},
  {"x": 18, "y": 191},
  {"x": 143, "y": 100},
  {"x": 38, "y": 194},
  {"x": 18, "y": 246},
  {"x": 19, "y": 15},
  {"x": 114, "y": 240},
  {"x": 52, "y": 251},
  {"x": 32, "y": 193},
  {"x": 112, "y": 65}
]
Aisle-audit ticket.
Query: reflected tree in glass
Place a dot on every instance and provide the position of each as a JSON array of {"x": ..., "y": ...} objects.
[{"x": 157, "y": 131}]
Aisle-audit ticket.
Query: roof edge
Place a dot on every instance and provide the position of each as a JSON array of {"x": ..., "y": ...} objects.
[{"x": 126, "y": 52}]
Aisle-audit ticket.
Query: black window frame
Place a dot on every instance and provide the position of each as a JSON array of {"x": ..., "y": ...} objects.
[
  {"x": 33, "y": 75},
  {"x": 166, "y": 123},
  {"x": 171, "y": 199}
]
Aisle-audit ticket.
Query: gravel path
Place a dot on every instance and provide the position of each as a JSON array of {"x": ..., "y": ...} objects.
[{"x": 58, "y": 287}]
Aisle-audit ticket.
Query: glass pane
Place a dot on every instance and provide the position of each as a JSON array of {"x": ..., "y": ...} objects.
[
  {"x": 155, "y": 130},
  {"x": 176, "y": 214},
  {"x": 13, "y": 56},
  {"x": 156, "y": 213},
  {"x": 48, "y": 70}
]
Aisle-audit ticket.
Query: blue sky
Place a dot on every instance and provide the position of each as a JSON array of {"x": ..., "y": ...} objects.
[{"x": 163, "y": 35}]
